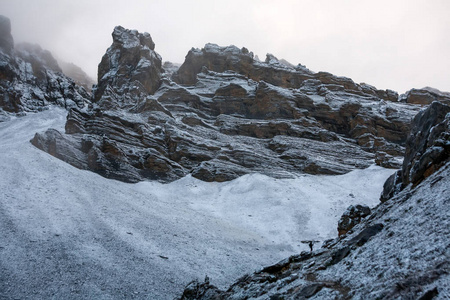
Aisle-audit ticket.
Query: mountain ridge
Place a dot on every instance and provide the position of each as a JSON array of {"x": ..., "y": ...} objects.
[{"x": 232, "y": 119}]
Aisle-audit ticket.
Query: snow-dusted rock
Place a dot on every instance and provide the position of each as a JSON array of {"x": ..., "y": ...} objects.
[
  {"x": 351, "y": 217},
  {"x": 129, "y": 70},
  {"x": 428, "y": 146},
  {"x": 224, "y": 115},
  {"x": 31, "y": 79},
  {"x": 78, "y": 75},
  {"x": 425, "y": 96}
]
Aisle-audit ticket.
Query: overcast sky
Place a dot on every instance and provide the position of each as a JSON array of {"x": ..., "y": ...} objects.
[{"x": 395, "y": 44}]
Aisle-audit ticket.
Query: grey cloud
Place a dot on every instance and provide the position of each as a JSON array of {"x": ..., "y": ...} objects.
[{"x": 390, "y": 44}]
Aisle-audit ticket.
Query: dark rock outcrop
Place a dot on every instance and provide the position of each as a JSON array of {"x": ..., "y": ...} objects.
[
  {"x": 224, "y": 115},
  {"x": 428, "y": 149},
  {"x": 428, "y": 146},
  {"x": 31, "y": 79},
  {"x": 351, "y": 217},
  {"x": 274, "y": 71}
]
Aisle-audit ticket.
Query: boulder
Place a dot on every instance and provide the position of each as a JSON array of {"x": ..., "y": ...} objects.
[{"x": 351, "y": 217}]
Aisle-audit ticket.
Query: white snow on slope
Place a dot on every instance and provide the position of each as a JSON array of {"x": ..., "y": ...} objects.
[{"x": 69, "y": 233}]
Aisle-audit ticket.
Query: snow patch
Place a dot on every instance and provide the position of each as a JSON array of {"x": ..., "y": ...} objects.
[{"x": 156, "y": 236}]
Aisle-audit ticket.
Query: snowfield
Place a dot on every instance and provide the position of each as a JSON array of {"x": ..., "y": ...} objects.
[{"x": 67, "y": 233}]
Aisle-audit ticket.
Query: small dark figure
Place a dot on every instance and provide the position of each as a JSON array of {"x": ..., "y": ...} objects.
[{"x": 310, "y": 244}]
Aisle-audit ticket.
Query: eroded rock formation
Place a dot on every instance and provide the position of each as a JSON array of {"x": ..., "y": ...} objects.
[
  {"x": 130, "y": 70},
  {"x": 224, "y": 114}
]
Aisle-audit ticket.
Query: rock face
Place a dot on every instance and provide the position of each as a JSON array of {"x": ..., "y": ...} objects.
[
  {"x": 428, "y": 146},
  {"x": 428, "y": 149},
  {"x": 31, "y": 79},
  {"x": 272, "y": 70},
  {"x": 129, "y": 70},
  {"x": 224, "y": 114},
  {"x": 399, "y": 251}
]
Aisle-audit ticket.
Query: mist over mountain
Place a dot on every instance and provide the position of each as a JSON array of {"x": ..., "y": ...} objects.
[{"x": 160, "y": 174}]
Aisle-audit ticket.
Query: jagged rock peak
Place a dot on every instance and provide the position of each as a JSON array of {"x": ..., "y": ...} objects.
[
  {"x": 129, "y": 70},
  {"x": 6, "y": 39},
  {"x": 127, "y": 38},
  {"x": 231, "y": 58}
]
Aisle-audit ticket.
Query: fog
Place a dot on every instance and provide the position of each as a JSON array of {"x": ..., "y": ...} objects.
[{"x": 395, "y": 44}]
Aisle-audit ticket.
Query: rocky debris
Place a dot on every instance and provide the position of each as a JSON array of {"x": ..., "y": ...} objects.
[
  {"x": 425, "y": 96},
  {"x": 129, "y": 71},
  {"x": 31, "y": 79},
  {"x": 78, "y": 75},
  {"x": 224, "y": 115},
  {"x": 351, "y": 217}
]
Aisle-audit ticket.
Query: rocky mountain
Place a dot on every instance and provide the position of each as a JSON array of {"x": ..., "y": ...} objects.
[
  {"x": 31, "y": 79},
  {"x": 224, "y": 114},
  {"x": 400, "y": 250}
]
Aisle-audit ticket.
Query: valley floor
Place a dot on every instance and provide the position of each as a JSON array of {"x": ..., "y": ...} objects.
[{"x": 72, "y": 234}]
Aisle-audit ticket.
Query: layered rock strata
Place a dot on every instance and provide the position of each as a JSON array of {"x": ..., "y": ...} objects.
[{"x": 224, "y": 114}]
